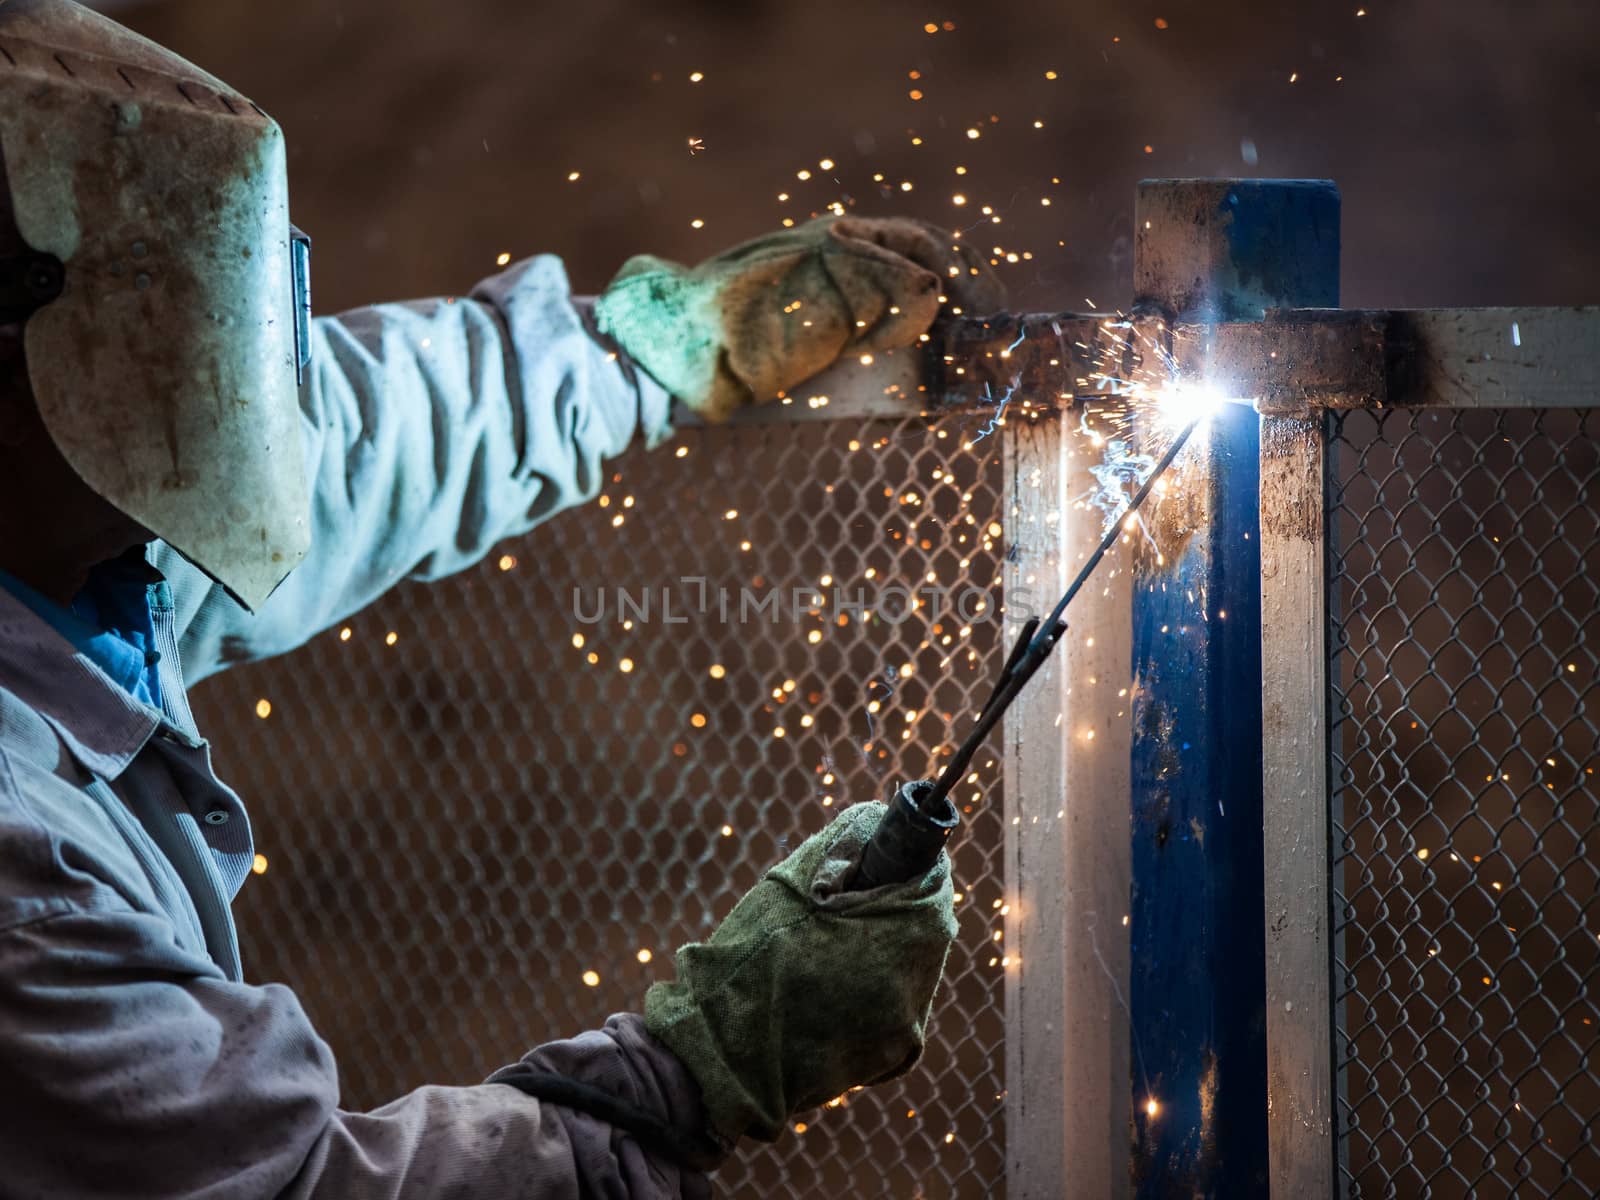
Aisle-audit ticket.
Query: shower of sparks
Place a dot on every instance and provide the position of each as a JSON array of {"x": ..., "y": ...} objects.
[
  {"x": 1156, "y": 401},
  {"x": 924, "y": 517}
]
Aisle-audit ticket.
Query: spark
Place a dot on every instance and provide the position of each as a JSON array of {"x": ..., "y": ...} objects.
[{"x": 999, "y": 413}]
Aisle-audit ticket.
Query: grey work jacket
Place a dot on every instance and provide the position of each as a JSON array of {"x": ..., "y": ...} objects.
[{"x": 134, "y": 1061}]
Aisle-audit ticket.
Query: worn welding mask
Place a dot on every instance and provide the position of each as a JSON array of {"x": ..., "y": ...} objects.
[{"x": 164, "y": 291}]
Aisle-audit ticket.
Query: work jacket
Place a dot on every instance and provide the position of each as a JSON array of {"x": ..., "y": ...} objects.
[{"x": 135, "y": 1062}]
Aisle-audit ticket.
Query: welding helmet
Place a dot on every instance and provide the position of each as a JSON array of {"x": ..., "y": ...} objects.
[{"x": 162, "y": 289}]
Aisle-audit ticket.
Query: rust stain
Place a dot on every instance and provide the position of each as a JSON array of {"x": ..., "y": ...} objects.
[
  {"x": 1291, "y": 478},
  {"x": 1208, "y": 1108}
]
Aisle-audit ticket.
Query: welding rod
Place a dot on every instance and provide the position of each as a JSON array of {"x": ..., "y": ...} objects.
[
  {"x": 1028, "y": 655},
  {"x": 921, "y": 816}
]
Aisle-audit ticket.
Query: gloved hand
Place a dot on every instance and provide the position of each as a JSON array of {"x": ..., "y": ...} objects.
[
  {"x": 804, "y": 990},
  {"x": 763, "y": 316}
]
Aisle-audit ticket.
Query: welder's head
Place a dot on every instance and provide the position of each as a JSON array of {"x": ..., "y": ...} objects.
[{"x": 158, "y": 286}]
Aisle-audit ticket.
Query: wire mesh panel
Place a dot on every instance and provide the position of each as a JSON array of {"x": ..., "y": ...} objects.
[
  {"x": 491, "y": 807},
  {"x": 1465, "y": 638}
]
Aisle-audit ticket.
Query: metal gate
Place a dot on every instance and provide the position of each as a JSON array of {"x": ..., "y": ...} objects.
[{"x": 1283, "y": 880}]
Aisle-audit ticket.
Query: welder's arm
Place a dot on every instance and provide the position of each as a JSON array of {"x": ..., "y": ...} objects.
[
  {"x": 135, "y": 1072},
  {"x": 434, "y": 429}
]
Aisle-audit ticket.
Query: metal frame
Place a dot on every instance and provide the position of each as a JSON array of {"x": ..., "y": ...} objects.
[
  {"x": 1446, "y": 358},
  {"x": 1072, "y": 1018},
  {"x": 1294, "y": 362}
]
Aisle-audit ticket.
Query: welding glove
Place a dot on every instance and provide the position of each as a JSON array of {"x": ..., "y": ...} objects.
[
  {"x": 806, "y": 990},
  {"x": 759, "y": 318}
]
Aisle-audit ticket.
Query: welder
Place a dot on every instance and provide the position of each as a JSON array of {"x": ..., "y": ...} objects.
[{"x": 195, "y": 473}]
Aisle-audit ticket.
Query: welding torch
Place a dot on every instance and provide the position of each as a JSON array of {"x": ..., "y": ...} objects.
[{"x": 921, "y": 816}]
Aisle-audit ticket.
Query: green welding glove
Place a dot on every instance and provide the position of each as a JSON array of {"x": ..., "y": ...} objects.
[
  {"x": 805, "y": 990},
  {"x": 757, "y": 319}
]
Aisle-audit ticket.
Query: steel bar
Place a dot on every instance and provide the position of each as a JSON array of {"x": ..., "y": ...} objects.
[
  {"x": 1295, "y": 815},
  {"x": 1292, "y": 363},
  {"x": 1208, "y": 251},
  {"x": 1065, "y": 947}
]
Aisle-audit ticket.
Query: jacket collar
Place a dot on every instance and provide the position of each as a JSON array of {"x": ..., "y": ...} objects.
[{"x": 101, "y": 724}]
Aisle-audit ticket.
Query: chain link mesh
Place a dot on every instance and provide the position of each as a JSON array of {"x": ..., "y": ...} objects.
[
  {"x": 1465, "y": 596},
  {"x": 488, "y": 820}
]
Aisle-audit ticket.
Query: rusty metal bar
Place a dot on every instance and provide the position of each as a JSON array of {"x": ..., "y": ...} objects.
[
  {"x": 1292, "y": 363},
  {"x": 1494, "y": 357},
  {"x": 1067, "y": 853},
  {"x": 1294, "y": 723}
]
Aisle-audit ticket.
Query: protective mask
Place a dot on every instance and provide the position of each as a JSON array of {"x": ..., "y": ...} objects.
[{"x": 170, "y": 309}]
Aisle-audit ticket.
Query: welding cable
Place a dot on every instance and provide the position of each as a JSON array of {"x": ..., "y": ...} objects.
[{"x": 1038, "y": 639}]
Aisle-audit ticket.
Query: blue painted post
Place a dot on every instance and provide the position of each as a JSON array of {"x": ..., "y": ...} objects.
[{"x": 1207, "y": 250}]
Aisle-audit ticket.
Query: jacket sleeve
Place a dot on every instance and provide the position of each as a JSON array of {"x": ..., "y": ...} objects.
[
  {"x": 433, "y": 430},
  {"x": 133, "y": 1072}
]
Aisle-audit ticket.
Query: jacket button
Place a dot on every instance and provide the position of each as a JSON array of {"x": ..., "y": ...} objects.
[{"x": 217, "y": 816}]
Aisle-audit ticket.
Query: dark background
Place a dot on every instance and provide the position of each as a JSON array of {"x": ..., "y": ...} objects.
[{"x": 427, "y": 138}]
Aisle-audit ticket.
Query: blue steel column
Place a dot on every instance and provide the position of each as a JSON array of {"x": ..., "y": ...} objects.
[{"x": 1208, "y": 250}]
